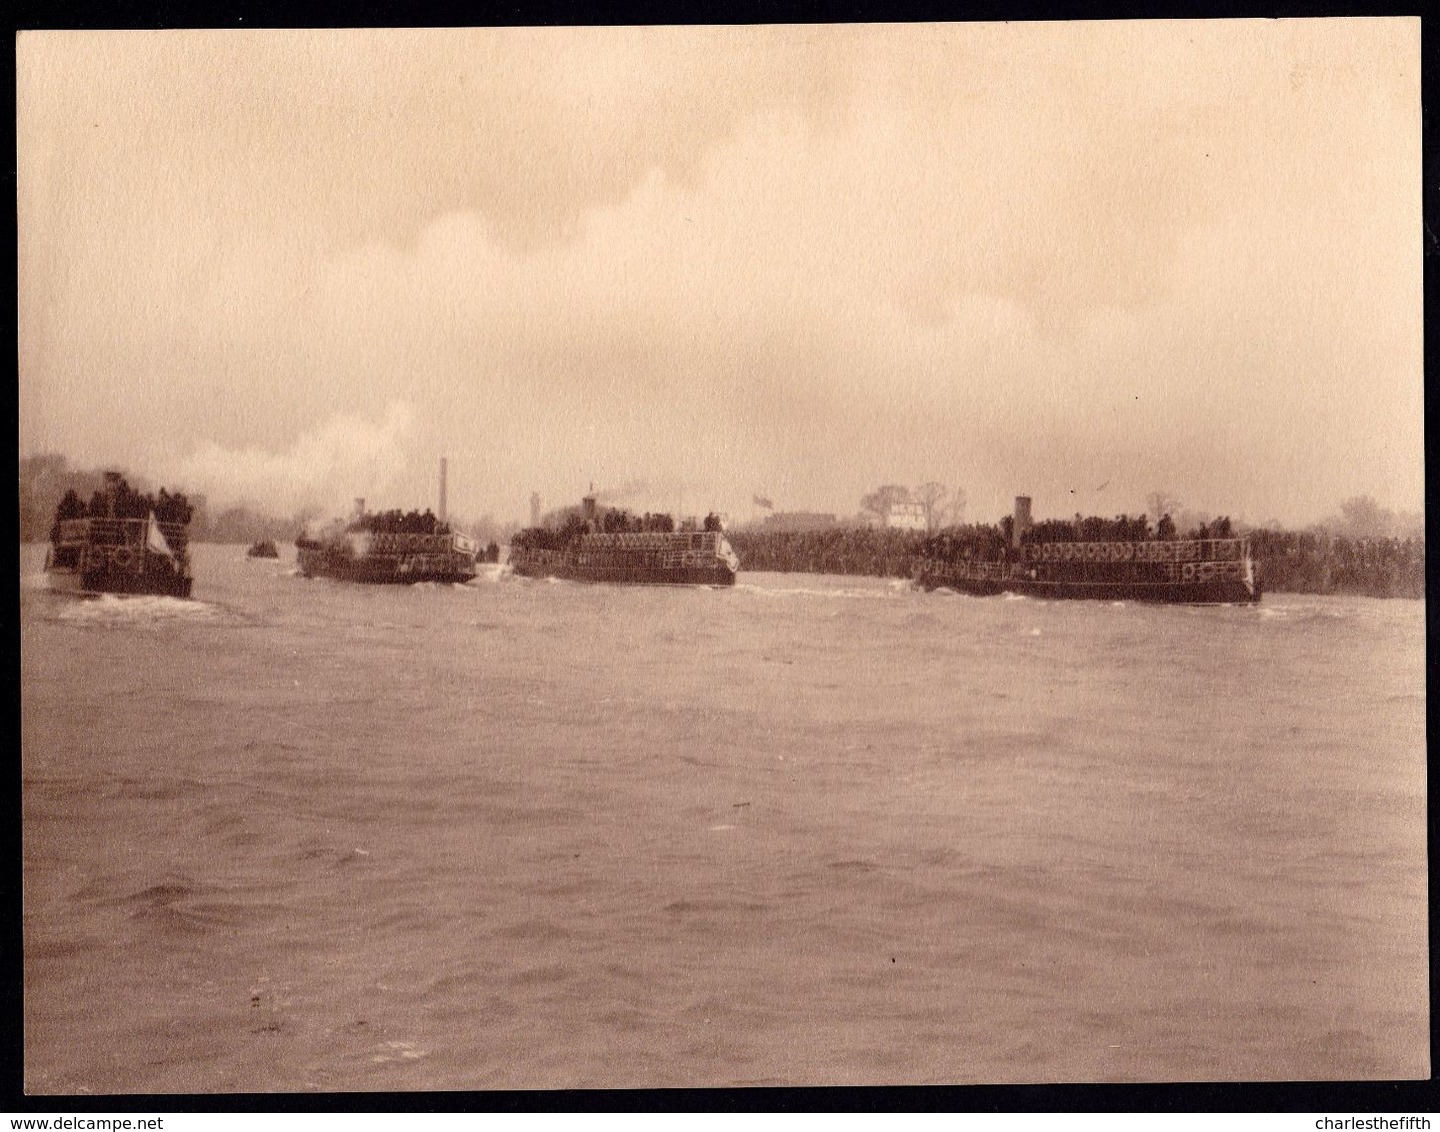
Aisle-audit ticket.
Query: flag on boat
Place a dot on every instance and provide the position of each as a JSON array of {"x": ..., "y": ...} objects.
[{"x": 155, "y": 538}]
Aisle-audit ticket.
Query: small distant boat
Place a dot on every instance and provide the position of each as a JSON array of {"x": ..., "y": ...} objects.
[
  {"x": 122, "y": 542},
  {"x": 265, "y": 548},
  {"x": 607, "y": 548}
]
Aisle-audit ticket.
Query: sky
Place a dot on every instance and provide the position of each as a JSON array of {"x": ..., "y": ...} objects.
[{"x": 692, "y": 266}]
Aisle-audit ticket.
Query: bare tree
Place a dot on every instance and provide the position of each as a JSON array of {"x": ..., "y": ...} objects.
[
  {"x": 882, "y": 500},
  {"x": 1362, "y": 517},
  {"x": 930, "y": 496},
  {"x": 954, "y": 513}
]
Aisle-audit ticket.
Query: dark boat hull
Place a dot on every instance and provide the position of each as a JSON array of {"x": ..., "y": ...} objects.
[
  {"x": 160, "y": 583},
  {"x": 382, "y": 569},
  {"x": 379, "y": 573},
  {"x": 1218, "y": 592}
]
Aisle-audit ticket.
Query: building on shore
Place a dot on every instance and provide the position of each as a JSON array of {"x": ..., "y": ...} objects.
[{"x": 906, "y": 517}]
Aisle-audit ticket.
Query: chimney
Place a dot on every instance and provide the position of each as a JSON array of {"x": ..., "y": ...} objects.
[
  {"x": 442, "y": 489},
  {"x": 112, "y": 491},
  {"x": 1022, "y": 519}
]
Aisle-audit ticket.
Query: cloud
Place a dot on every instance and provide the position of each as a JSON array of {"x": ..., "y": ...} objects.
[{"x": 1017, "y": 258}]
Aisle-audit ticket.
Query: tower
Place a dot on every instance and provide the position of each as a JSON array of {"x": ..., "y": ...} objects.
[{"x": 1022, "y": 519}]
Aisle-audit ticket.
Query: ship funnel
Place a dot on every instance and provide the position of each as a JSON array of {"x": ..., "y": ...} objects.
[
  {"x": 112, "y": 490},
  {"x": 1022, "y": 519},
  {"x": 442, "y": 488}
]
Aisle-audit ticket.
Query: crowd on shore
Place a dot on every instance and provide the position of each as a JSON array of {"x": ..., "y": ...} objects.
[
  {"x": 1287, "y": 561},
  {"x": 1318, "y": 562}
]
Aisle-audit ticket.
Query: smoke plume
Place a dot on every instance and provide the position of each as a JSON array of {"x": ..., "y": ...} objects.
[{"x": 325, "y": 469}]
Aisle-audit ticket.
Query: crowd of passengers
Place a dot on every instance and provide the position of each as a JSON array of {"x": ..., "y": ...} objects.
[
  {"x": 986, "y": 543},
  {"x": 1122, "y": 528},
  {"x": 615, "y": 521},
  {"x": 609, "y": 520},
  {"x": 122, "y": 501},
  {"x": 396, "y": 522}
]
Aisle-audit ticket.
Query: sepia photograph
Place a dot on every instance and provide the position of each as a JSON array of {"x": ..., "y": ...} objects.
[{"x": 721, "y": 557}]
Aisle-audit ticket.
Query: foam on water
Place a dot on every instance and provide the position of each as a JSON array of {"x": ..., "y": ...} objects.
[
  {"x": 116, "y": 610},
  {"x": 848, "y": 593}
]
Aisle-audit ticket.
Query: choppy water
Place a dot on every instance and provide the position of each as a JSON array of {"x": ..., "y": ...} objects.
[{"x": 300, "y": 835}]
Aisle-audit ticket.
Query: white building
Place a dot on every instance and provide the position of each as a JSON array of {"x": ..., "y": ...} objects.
[{"x": 906, "y": 517}]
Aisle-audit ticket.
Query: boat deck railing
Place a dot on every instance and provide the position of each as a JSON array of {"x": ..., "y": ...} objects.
[
  {"x": 1184, "y": 550},
  {"x": 1160, "y": 572},
  {"x": 697, "y": 542},
  {"x": 120, "y": 532},
  {"x": 391, "y": 542}
]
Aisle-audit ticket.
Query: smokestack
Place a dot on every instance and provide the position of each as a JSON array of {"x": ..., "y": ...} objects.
[
  {"x": 442, "y": 489},
  {"x": 1022, "y": 519},
  {"x": 112, "y": 490},
  {"x": 534, "y": 508}
]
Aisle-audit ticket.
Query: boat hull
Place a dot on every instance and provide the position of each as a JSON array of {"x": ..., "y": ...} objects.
[
  {"x": 155, "y": 582},
  {"x": 1221, "y": 592},
  {"x": 385, "y": 569}
]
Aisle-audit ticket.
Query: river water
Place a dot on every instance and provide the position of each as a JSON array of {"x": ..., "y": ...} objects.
[{"x": 302, "y": 835}]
